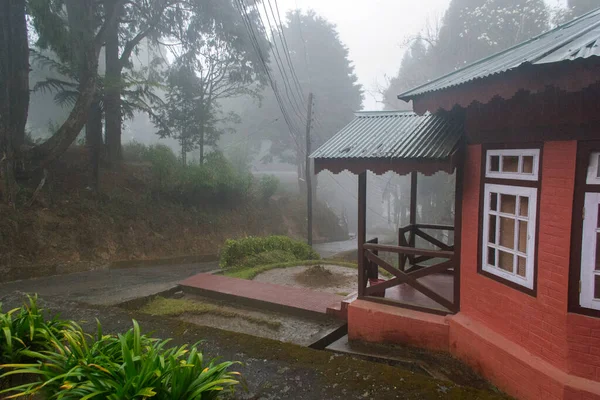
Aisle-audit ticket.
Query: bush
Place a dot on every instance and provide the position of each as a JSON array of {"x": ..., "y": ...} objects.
[
  {"x": 235, "y": 251},
  {"x": 128, "y": 366},
  {"x": 267, "y": 257},
  {"x": 134, "y": 151},
  {"x": 267, "y": 186}
]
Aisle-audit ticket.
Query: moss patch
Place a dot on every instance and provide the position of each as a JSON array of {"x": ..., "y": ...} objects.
[
  {"x": 250, "y": 273},
  {"x": 176, "y": 307}
]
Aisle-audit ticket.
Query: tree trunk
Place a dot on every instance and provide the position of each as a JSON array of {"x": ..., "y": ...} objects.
[
  {"x": 112, "y": 91},
  {"x": 81, "y": 24},
  {"x": 93, "y": 140},
  {"x": 14, "y": 91}
]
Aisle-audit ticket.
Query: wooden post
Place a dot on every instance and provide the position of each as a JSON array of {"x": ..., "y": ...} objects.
[
  {"x": 307, "y": 173},
  {"x": 413, "y": 213},
  {"x": 361, "y": 235},
  {"x": 458, "y": 197}
]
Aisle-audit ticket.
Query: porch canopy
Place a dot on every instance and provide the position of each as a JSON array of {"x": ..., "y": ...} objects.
[
  {"x": 398, "y": 141},
  {"x": 424, "y": 279}
]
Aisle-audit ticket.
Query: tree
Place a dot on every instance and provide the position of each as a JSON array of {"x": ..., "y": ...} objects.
[
  {"x": 208, "y": 69},
  {"x": 14, "y": 90},
  {"x": 179, "y": 23},
  {"x": 322, "y": 66},
  {"x": 76, "y": 23}
]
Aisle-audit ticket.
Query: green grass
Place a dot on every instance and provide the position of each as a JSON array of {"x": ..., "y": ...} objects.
[
  {"x": 250, "y": 273},
  {"x": 161, "y": 306}
]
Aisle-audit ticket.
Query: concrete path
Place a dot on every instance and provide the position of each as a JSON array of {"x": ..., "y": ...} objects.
[{"x": 108, "y": 287}]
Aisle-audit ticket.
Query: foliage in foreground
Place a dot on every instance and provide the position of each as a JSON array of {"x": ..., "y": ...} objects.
[
  {"x": 235, "y": 252},
  {"x": 70, "y": 364}
]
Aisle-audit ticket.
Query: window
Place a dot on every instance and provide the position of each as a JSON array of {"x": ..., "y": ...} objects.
[
  {"x": 513, "y": 164},
  {"x": 593, "y": 173},
  {"x": 589, "y": 295},
  {"x": 509, "y": 215}
]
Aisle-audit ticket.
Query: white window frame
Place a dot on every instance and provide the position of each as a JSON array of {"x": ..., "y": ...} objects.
[
  {"x": 588, "y": 252},
  {"x": 593, "y": 178},
  {"x": 522, "y": 176},
  {"x": 531, "y": 193}
]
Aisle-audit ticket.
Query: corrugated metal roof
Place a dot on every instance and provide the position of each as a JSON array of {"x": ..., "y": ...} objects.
[
  {"x": 394, "y": 135},
  {"x": 577, "y": 39}
]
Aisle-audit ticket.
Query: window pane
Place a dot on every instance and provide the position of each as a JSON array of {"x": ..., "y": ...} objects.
[
  {"x": 493, "y": 201},
  {"x": 597, "y": 286},
  {"x": 521, "y": 267},
  {"x": 507, "y": 232},
  {"x": 505, "y": 261},
  {"x": 495, "y": 163},
  {"x": 528, "y": 164},
  {"x": 492, "y": 229},
  {"x": 508, "y": 203},
  {"x": 510, "y": 164},
  {"x": 523, "y": 206},
  {"x": 597, "y": 262},
  {"x": 523, "y": 236},
  {"x": 491, "y": 256}
]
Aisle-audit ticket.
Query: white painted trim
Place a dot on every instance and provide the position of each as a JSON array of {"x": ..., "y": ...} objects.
[
  {"x": 592, "y": 174},
  {"x": 535, "y": 153},
  {"x": 588, "y": 252},
  {"x": 531, "y": 193}
]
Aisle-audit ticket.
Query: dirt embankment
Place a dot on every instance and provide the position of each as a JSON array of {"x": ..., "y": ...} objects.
[{"x": 68, "y": 224}]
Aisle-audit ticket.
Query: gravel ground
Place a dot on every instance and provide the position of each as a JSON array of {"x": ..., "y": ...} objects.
[
  {"x": 273, "y": 370},
  {"x": 287, "y": 276}
]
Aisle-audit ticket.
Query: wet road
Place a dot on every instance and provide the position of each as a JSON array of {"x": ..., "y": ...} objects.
[
  {"x": 330, "y": 249},
  {"x": 108, "y": 287}
]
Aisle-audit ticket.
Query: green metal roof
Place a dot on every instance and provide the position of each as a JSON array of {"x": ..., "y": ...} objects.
[
  {"x": 578, "y": 39},
  {"x": 393, "y": 135}
]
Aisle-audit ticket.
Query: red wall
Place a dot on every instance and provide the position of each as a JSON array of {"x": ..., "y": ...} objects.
[{"x": 537, "y": 323}]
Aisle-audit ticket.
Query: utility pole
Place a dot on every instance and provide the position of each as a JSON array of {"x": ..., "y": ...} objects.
[{"x": 308, "y": 172}]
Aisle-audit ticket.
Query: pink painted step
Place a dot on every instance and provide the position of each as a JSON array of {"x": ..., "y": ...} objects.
[
  {"x": 285, "y": 296},
  {"x": 340, "y": 309}
]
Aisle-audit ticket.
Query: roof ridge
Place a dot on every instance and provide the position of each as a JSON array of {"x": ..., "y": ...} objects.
[{"x": 480, "y": 61}]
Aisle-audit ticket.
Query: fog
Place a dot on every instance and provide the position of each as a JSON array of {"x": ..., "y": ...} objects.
[{"x": 351, "y": 56}]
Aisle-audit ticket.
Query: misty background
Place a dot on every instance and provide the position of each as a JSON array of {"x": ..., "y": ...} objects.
[{"x": 351, "y": 56}]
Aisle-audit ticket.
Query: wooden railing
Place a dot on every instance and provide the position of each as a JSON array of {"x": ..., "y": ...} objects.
[
  {"x": 410, "y": 268},
  {"x": 414, "y": 231}
]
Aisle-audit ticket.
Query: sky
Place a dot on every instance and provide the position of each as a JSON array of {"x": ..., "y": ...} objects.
[{"x": 374, "y": 30}]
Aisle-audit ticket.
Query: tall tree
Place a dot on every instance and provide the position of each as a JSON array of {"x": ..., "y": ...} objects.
[
  {"x": 14, "y": 90},
  {"x": 322, "y": 65}
]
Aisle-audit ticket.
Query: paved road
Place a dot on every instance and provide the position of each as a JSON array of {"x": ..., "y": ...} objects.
[
  {"x": 108, "y": 287},
  {"x": 330, "y": 249}
]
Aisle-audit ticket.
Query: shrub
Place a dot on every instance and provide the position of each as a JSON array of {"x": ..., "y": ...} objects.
[
  {"x": 164, "y": 165},
  {"x": 267, "y": 186},
  {"x": 267, "y": 257},
  {"x": 128, "y": 366},
  {"x": 134, "y": 151},
  {"x": 235, "y": 251}
]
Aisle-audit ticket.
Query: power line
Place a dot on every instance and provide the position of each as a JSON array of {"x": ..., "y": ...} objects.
[
  {"x": 282, "y": 70},
  {"x": 256, "y": 45}
]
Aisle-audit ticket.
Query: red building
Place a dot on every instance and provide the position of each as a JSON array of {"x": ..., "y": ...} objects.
[{"x": 517, "y": 295}]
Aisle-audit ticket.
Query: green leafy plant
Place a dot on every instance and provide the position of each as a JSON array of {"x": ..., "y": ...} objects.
[
  {"x": 236, "y": 251},
  {"x": 26, "y": 329},
  {"x": 267, "y": 257},
  {"x": 126, "y": 366}
]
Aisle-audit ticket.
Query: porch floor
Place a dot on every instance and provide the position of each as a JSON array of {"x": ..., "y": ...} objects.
[{"x": 442, "y": 284}]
